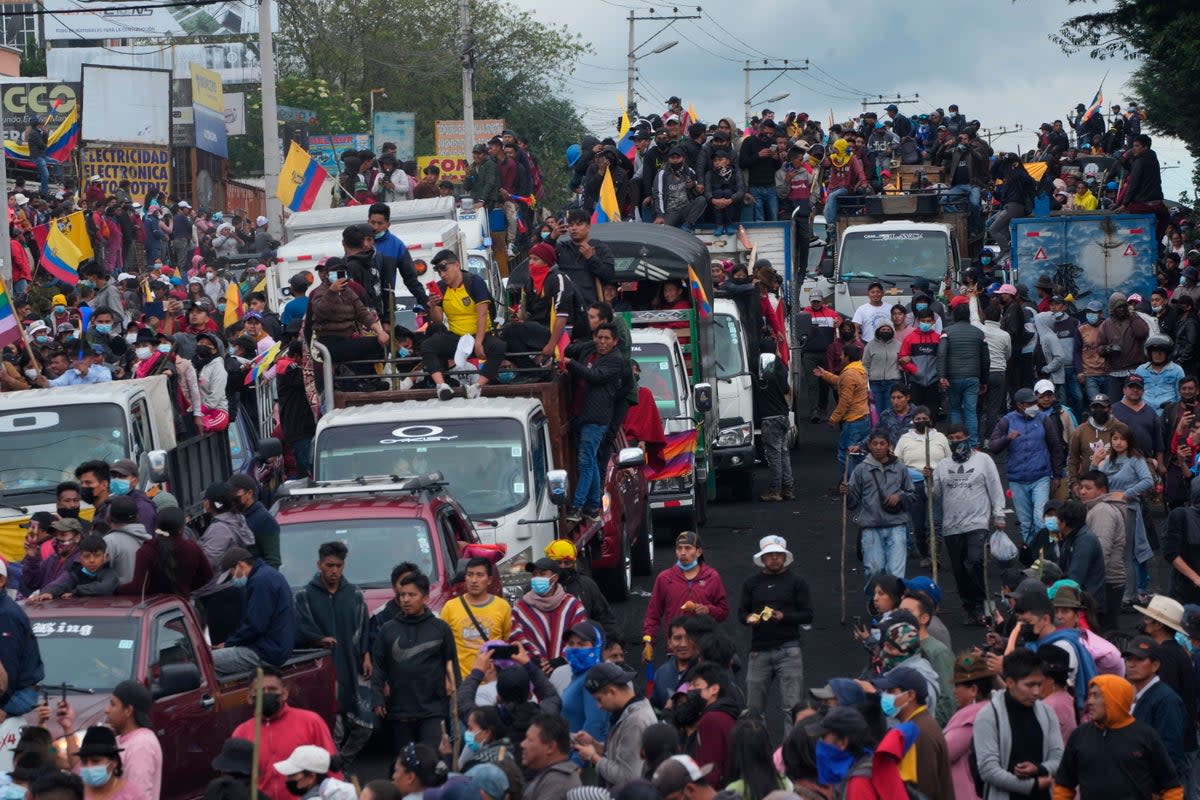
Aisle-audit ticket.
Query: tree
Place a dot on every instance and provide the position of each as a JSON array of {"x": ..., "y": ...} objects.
[{"x": 1164, "y": 35}]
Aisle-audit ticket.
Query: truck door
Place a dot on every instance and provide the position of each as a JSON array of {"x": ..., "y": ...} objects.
[
  {"x": 192, "y": 716},
  {"x": 143, "y": 436},
  {"x": 539, "y": 455}
]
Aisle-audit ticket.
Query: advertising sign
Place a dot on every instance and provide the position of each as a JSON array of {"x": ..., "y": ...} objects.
[
  {"x": 122, "y": 104},
  {"x": 326, "y": 149},
  {"x": 449, "y": 137},
  {"x": 145, "y": 167},
  {"x": 454, "y": 168},
  {"x": 137, "y": 20},
  {"x": 22, "y": 101},
  {"x": 208, "y": 108},
  {"x": 399, "y": 127}
]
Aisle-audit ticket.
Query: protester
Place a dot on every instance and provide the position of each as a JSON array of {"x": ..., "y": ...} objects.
[{"x": 266, "y": 633}]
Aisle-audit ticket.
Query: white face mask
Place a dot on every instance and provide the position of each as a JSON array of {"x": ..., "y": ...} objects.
[{"x": 142, "y": 353}]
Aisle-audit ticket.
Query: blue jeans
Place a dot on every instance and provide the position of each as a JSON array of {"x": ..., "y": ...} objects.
[
  {"x": 1072, "y": 393},
  {"x": 831, "y": 207},
  {"x": 1094, "y": 385},
  {"x": 852, "y": 433},
  {"x": 950, "y": 198},
  {"x": 766, "y": 203},
  {"x": 1029, "y": 501},
  {"x": 883, "y": 551},
  {"x": 302, "y": 450},
  {"x": 587, "y": 493},
  {"x": 963, "y": 399},
  {"x": 43, "y": 169},
  {"x": 881, "y": 392}
]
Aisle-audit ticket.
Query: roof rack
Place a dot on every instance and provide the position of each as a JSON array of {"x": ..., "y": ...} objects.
[{"x": 368, "y": 484}]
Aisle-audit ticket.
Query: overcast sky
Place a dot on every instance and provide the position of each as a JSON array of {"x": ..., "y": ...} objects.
[{"x": 991, "y": 57}]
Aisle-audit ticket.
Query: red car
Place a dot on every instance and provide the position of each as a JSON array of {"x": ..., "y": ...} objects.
[{"x": 382, "y": 524}]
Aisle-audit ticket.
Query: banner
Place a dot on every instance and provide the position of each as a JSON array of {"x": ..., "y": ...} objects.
[
  {"x": 23, "y": 101},
  {"x": 137, "y": 20},
  {"x": 208, "y": 110},
  {"x": 145, "y": 167},
  {"x": 449, "y": 137},
  {"x": 326, "y": 149},
  {"x": 399, "y": 127},
  {"x": 454, "y": 168}
]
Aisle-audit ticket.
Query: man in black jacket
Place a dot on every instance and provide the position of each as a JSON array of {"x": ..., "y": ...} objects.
[
  {"x": 587, "y": 263},
  {"x": 760, "y": 157},
  {"x": 37, "y": 140},
  {"x": 775, "y": 603},
  {"x": 601, "y": 377},
  {"x": 1143, "y": 192},
  {"x": 774, "y": 397}
]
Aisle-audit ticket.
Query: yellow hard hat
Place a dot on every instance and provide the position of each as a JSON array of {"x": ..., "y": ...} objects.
[{"x": 561, "y": 549}]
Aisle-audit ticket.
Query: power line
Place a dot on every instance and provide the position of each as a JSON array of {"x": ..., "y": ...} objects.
[
  {"x": 734, "y": 36},
  {"x": 699, "y": 46},
  {"x": 818, "y": 91},
  {"x": 839, "y": 81}
]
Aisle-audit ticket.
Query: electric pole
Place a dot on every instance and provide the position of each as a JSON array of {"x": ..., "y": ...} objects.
[
  {"x": 786, "y": 68},
  {"x": 631, "y": 56},
  {"x": 468, "y": 67},
  {"x": 880, "y": 100},
  {"x": 270, "y": 121}
]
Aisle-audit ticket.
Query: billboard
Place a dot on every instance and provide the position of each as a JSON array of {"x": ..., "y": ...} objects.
[
  {"x": 63, "y": 20},
  {"x": 208, "y": 111},
  {"x": 449, "y": 136},
  {"x": 236, "y": 62},
  {"x": 23, "y": 100},
  {"x": 454, "y": 168},
  {"x": 126, "y": 105},
  {"x": 145, "y": 167},
  {"x": 399, "y": 127},
  {"x": 325, "y": 149}
]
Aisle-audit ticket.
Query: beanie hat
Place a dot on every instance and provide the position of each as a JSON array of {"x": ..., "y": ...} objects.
[{"x": 545, "y": 252}]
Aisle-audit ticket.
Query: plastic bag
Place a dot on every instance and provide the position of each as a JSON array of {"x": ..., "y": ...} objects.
[{"x": 1002, "y": 547}]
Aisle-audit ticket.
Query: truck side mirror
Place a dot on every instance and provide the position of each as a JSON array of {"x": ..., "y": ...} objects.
[
  {"x": 156, "y": 460},
  {"x": 269, "y": 448},
  {"x": 766, "y": 361},
  {"x": 631, "y": 457},
  {"x": 702, "y": 397},
  {"x": 557, "y": 480},
  {"x": 177, "y": 679}
]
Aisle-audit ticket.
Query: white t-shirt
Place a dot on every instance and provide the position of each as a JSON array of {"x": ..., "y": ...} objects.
[{"x": 868, "y": 317}]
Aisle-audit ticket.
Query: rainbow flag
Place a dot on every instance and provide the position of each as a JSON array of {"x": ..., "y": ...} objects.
[
  {"x": 10, "y": 326},
  {"x": 699, "y": 296},
  {"x": 528, "y": 200},
  {"x": 61, "y": 257},
  {"x": 60, "y": 143},
  {"x": 607, "y": 208},
  {"x": 678, "y": 457},
  {"x": 263, "y": 363},
  {"x": 1097, "y": 102},
  {"x": 300, "y": 180}
]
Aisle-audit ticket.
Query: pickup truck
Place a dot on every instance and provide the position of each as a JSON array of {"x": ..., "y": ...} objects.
[{"x": 90, "y": 645}]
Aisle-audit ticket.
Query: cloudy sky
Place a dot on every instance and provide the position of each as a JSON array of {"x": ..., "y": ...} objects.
[{"x": 991, "y": 57}]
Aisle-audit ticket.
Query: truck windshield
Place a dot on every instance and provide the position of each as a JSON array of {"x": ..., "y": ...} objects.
[
  {"x": 374, "y": 545},
  {"x": 41, "y": 447},
  {"x": 86, "y": 653},
  {"x": 482, "y": 459},
  {"x": 729, "y": 346},
  {"x": 895, "y": 256},
  {"x": 658, "y": 376}
]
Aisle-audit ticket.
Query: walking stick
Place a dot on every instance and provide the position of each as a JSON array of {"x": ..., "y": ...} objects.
[
  {"x": 989, "y": 607},
  {"x": 845, "y": 502},
  {"x": 933, "y": 545}
]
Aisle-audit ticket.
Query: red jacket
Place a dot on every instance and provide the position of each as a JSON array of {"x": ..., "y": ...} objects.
[
  {"x": 712, "y": 738},
  {"x": 20, "y": 262},
  {"x": 672, "y": 590},
  {"x": 289, "y": 729}
]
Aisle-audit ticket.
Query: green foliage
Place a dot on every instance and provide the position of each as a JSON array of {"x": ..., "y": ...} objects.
[{"x": 33, "y": 59}]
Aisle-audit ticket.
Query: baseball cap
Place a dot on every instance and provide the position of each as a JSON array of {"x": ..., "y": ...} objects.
[
  {"x": 844, "y": 690},
  {"x": 137, "y": 696},
  {"x": 305, "y": 758},
  {"x": 674, "y": 774},
  {"x": 816, "y": 294},
  {"x": 490, "y": 778},
  {"x": 95, "y": 179},
  {"x": 688, "y": 537},
  {"x": 1024, "y": 395},
  {"x": 44, "y": 519},
  {"x": 1043, "y": 386},
  {"x": 184, "y": 204},
  {"x": 234, "y": 556},
  {"x": 1007, "y": 288},
  {"x": 904, "y": 679},
  {"x": 1100, "y": 400},
  {"x": 124, "y": 467},
  {"x": 1044, "y": 568},
  {"x": 606, "y": 674},
  {"x": 1141, "y": 647},
  {"x": 67, "y": 524},
  {"x": 544, "y": 565},
  {"x": 252, "y": 315},
  {"x": 923, "y": 583},
  {"x": 260, "y": 221},
  {"x": 1135, "y": 380}
]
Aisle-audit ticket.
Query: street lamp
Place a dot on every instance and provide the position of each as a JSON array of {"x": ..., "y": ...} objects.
[
  {"x": 632, "y": 58},
  {"x": 382, "y": 93}
]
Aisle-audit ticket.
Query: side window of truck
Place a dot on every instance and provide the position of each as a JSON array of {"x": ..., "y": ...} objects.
[
  {"x": 537, "y": 451},
  {"x": 169, "y": 644},
  {"x": 142, "y": 435}
]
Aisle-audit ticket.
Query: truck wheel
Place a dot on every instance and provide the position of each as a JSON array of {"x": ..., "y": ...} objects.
[
  {"x": 616, "y": 582},
  {"x": 643, "y": 551}
]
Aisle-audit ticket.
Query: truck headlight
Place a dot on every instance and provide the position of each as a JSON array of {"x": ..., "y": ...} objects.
[
  {"x": 683, "y": 484},
  {"x": 737, "y": 436}
]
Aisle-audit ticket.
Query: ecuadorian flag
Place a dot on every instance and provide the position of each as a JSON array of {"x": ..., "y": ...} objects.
[
  {"x": 300, "y": 180},
  {"x": 60, "y": 256},
  {"x": 607, "y": 209},
  {"x": 59, "y": 144}
]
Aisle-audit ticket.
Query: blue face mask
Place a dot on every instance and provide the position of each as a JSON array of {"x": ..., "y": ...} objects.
[
  {"x": 1051, "y": 524},
  {"x": 119, "y": 486},
  {"x": 380, "y": 234},
  {"x": 507, "y": 376},
  {"x": 833, "y": 764},
  {"x": 88, "y": 572},
  {"x": 540, "y": 586},
  {"x": 13, "y": 792},
  {"x": 1185, "y": 642},
  {"x": 403, "y": 352},
  {"x": 164, "y": 348},
  {"x": 240, "y": 581},
  {"x": 925, "y": 327},
  {"x": 470, "y": 742},
  {"x": 103, "y": 328},
  {"x": 94, "y": 776},
  {"x": 984, "y": 260},
  {"x": 60, "y": 309},
  {"x": 887, "y": 704},
  {"x": 1093, "y": 319},
  {"x": 920, "y": 306},
  {"x": 42, "y": 339},
  {"x": 685, "y": 565},
  {"x": 545, "y": 235},
  {"x": 581, "y": 659}
]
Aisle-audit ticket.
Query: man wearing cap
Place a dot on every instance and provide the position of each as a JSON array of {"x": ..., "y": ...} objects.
[
  {"x": 266, "y": 633},
  {"x": 1115, "y": 755},
  {"x": 88, "y": 368},
  {"x": 38, "y": 572},
  {"x": 689, "y": 586},
  {"x": 618, "y": 759},
  {"x": 1017, "y": 740},
  {"x": 123, "y": 481},
  {"x": 306, "y": 773},
  {"x": 1158, "y": 705},
  {"x": 582, "y": 586},
  {"x": 776, "y": 604},
  {"x": 1092, "y": 435},
  {"x": 482, "y": 180},
  {"x": 462, "y": 307},
  {"x": 1143, "y": 420},
  {"x": 1033, "y": 450},
  {"x": 20, "y": 659},
  {"x": 544, "y": 614},
  {"x": 825, "y": 323},
  {"x": 1062, "y": 420},
  {"x": 903, "y": 696},
  {"x": 128, "y": 714},
  {"x": 1162, "y": 617},
  {"x": 681, "y": 778}
]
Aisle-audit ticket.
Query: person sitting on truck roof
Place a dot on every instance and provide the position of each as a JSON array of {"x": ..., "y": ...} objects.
[
  {"x": 89, "y": 367},
  {"x": 394, "y": 260},
  {"x": 36, "y": 571},
  {"x": 170, "y": 562},
  {"x": 542, "y": 615},
  {"x": 266, "y": 633},
  {"x": 336, "y": 315},
  {"x": 549, "y": 302},
  {"x": 361, "y": 266},
  {"x": 587, "y": 263},
  {"x": 123, "y": 481},
  {"x": 464, "y": 307}
]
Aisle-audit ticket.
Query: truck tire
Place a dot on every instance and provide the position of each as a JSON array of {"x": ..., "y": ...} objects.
[
  {"x": 643, "y": 551},
  {"x": 616, "y": 582}
]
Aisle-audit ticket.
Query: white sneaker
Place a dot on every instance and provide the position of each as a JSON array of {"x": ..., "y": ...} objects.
[
  {"x": 406, "y": 384},
  {"x": 511, "y": 251},
  {"x": 444, "y": 392},
  {"x": 472, "y": 390}
]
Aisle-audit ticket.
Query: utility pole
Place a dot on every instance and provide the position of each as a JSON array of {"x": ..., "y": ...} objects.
[
  {"x": 468, "y": 66},
  {"x": 880, "y": 100},
  {"x": 996, "y": 133},
  {"x": 786, "y": 68},
  {"x": 631, "y": 56},
  {"x": 270, "y": 120}
]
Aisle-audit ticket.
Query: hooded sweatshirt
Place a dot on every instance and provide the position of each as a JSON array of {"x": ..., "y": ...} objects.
[
  {"x": 711, "y": 739},
  {"x": 870, "y": 483},
  {"x": 227, "y": 529},
  {"x": 1119, "y": 759},
  {"x": 409, "y": 656},
  {"x": 1129, "y": 334},
  {"x": 672, "y": 590},
  {"x": 123, "y": 543},
  {"x": 1106, "y": 519}
]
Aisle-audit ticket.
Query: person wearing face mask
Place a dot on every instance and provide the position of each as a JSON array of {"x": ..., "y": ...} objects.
[
  {"x": 582, "y": 646},
  {"x": 393, "y": 260},
  {"x": 689, "y": 586},
  {"x": 1122, "y": 341},
  {"x": 61, "y": 313},
  {"x": 123, "y": 482},
  {"x": 919, "y": 358},
  {"x": 1083, "y": 556},
  {"x": 1033, "y": 450},
  {"x": 306, "y": 774},
  {"x": 38, "y": 572},
  {"x": 101, "y": 769},
  {"x": 847, "y": 756},
  {"x": 582, "y": 586},
  {"x": 543, "y": 614},
  {"x": 212, "y": 379},
  {"x": 1092, "y": 435},
  {"x": 1092, "y": 362},
  {"x": 919, "y": 450},
  {"x": 880, "y": 358},
  {"x": 962, "y": 482},
  {"x": 266, "y": 633},
  {"x": 679, "y": 193},
  {"x": 284, "y": 728},
  {"x": 904, "y": 697}
]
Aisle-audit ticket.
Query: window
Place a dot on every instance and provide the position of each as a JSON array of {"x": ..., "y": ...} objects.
[
  {"x": 450, "y": 529},
  {"x": 537, "y": 451},
  {"x": 20, "y": 25},
  {"x": 169, "y": 644},
  {"x": 729, "y": 347},
  {"x": 142, "y": 435},
  {"x": 374, "y": 544}
]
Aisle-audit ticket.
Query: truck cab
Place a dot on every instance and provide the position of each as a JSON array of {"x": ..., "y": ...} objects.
[
  {"x": 895, "y": 253},
  {"x": 734, "y": 448}
]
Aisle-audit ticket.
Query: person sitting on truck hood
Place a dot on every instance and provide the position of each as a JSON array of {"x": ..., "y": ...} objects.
[
  {"x": 689, "y": 586},
  {"x": 543, "y": 614},
  {"x": 267, "y": 631},
  {"x": 393, "y": 257},
  {"x": 124, "y": 537},
  {"x": 582, "y": 586},
  {"x": 168, "y": 562},
  {"x": 227, "y": 528},
  {"x": 306, "y": 773}
]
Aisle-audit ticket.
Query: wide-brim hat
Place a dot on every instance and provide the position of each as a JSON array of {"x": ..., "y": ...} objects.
[
  {"x": 99, "y": 741},
  {"x": 1164, "y": 609},
  {"x": 773, "y": 544}
]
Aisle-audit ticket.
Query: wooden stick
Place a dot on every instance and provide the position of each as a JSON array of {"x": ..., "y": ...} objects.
[
  {"x": 933, "y": 543},
  {"x": 845, "y": 502}
]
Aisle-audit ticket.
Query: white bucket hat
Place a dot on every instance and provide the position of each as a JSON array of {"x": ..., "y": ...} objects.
[{"x": 772, "y": 544}]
